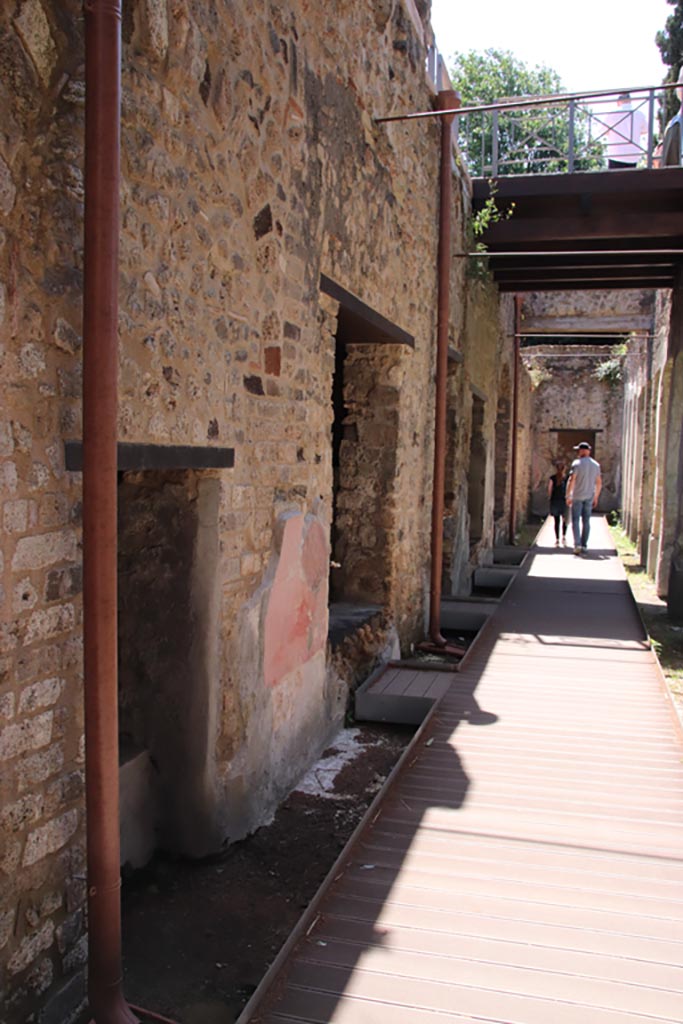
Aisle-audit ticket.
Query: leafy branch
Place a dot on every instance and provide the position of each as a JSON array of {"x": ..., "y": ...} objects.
[
  {"x": 611, "y": 370},
  {"x": 480, "y": 222}
]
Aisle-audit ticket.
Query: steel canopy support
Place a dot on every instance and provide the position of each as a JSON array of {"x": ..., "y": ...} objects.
[
  {"x": 515, "y": 416},
  {"x": 447, "y": 99}
]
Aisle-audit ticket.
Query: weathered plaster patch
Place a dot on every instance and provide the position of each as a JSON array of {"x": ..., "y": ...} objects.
[
  {"x": 319, "y": 780},
  {"x": 296, "y": 619}
]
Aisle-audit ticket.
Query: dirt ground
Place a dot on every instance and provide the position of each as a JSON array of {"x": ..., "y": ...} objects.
[{"x": 198, "y": 936}]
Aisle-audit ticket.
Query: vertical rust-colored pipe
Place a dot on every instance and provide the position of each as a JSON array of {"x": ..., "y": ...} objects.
[
  {"x": 515, "y": 414},
  {"x": 446, "y": 100},
  {"x": 100, "y": 368}
]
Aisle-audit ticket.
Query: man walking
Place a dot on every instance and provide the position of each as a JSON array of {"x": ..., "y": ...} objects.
[{"x": 583, "y": 491}]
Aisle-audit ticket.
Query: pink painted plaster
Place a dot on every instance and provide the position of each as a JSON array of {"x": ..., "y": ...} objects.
[{"x": 296, "y": 619}]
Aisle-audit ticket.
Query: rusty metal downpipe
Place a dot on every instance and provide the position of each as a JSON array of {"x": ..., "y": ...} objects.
[
  {"x": 447, "y": 99},
  {"x": 100, "y": 368},
  {"x": 515, "y": 414}
]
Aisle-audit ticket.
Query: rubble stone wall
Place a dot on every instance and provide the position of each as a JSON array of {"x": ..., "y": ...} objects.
[
  {"x": 485, "y": 342},
  {"x": 251, "y": 164},
  {"x": 652, "y": 445}
]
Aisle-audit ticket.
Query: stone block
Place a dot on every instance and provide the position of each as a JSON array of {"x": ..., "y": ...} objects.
[
  {"x": 6, "y": 926},
  {"x": 36, "y": 768},
  {"x": 33, "y": 27},
  {"x": 78, "y": 956},
  {"x": 46, "y": 623},
  {"x": 15, "y": 817},
  {"x": 40, "y": 695},
  {"x": 69, "y": 931},
  {"x": 45, "y": 549},
  {"x": 10, "y": 857},
  {"x": 50, "y": 837},
  {"x": 7, "y": 706},
  {"x": 40, "y": 978},
  {"x": 272, "y": 360},
  {"x": 8, "y": 193},
  {"x": 6, "y": 439},
  {"x": 67, "y": 1004},
  {"x": 63, "y": 583},
  {"x": 29, "y": 735},
  {"x": 66, "y": 790},
  {"x": 31, "y": 948},
  {"x": 15, "y": 516},
  {"x": 25, "y": 595}
]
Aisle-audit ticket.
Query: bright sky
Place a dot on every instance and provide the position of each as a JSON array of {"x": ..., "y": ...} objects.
[{"x": 592, "y": 44}]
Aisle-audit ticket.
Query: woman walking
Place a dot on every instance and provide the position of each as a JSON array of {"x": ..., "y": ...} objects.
[{"x": 557, "y": 492}]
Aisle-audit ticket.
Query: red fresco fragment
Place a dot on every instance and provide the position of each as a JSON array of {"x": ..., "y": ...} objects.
[
  {"x": 296, "y": 620},
  {"x": 315, "y": 556}
]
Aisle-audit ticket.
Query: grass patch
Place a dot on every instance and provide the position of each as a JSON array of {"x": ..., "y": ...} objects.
[{"x": 665, "y": 637}]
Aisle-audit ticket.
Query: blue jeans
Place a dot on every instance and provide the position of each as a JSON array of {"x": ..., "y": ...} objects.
[{"x": 581, "y": 510}]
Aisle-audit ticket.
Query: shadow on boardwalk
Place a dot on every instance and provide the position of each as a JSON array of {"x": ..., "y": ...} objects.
[{"x": 528, "y": 871}]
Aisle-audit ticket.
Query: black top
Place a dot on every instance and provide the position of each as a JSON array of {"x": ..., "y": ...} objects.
[{"x": 558, "y": 493}]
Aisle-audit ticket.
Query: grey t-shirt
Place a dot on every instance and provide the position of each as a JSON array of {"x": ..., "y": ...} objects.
[{"x": 585, "y": 472}]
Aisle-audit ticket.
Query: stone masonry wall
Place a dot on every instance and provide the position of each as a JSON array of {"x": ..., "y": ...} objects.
[
  {"x": 486, "y": 344},
  {"x": 525, "y": 413},
  {"x": 658, "y": 541},
  {"x": 652, "y": 448},
  {"x": 602, "y": 311},
  {"x": 250, "y": 164}
]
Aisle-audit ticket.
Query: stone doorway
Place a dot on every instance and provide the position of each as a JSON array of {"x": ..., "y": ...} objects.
[
  {"x": 364, "y": 440},
  {"x": 567, "y": 439},
  {"x": 168, "y": 624},
  {"x": 365, "y": 397}
]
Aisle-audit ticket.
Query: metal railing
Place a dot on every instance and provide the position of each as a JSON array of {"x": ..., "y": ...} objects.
[{"x": 562, "y": 133}]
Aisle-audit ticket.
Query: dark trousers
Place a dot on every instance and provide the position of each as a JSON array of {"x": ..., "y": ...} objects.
[{"x": 560, "y": 517}]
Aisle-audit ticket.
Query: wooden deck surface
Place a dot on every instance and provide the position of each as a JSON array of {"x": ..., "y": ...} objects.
[{"x": 526, "y": 865}]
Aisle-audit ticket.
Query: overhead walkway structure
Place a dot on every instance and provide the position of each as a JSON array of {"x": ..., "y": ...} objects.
[
  {"x": 567, "y": 222},
  {"x": 584, "y": 231},
  {"x": 524, "y": 863}
]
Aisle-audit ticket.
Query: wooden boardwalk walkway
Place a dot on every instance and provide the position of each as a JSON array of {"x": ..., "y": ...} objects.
[{"x": 526, "y": 864}]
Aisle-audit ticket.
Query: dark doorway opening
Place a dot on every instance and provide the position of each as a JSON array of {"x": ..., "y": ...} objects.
[
  {"x": 364, "y": 439},
  {"x": 567, "y": 439},
  {"x": 168, "y": 612}
]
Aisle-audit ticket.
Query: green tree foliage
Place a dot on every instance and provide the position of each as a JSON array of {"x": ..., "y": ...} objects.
[
  {"x": 611, "y": 371},
  {"x": 528, "y": 141},
  {"x": 670, "y": 43}
]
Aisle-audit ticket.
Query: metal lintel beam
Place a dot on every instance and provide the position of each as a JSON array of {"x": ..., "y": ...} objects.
[
  {"x": 131, "y": 457},
  {"x": 360, "y": 323},
  {"x": 644, "y": 183},
  {"x": 589, "y": 284},
  {"x": 573, "y": 273},
  {"x": 577, "y": 323},
  {"x": 565, "y": 226}
]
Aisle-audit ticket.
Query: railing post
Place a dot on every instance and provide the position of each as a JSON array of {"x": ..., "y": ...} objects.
[
  {"x": 650, "y": 126},
  {"x": 494, "y": 144},
  {"x": 570, "y": 154}
]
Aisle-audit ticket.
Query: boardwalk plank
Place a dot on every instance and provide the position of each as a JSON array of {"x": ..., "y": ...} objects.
[{"x": 526, "y": 867}]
